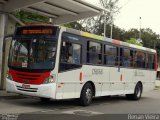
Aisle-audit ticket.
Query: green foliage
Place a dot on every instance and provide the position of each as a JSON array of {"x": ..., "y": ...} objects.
[
  {"x": 74, "y": 25},
  {"x": 96, "y": 24},
  {"x": 150, "y": 38},
  {"x": 132, "y": 33},
  {"x": 117, "y": 33},
  {"x": 134, "y": 41},
  {"x": 28, "y": 18}
]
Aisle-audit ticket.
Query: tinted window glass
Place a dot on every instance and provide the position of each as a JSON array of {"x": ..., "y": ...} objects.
[
  {"x": 140, "y": 59},
  {"x": 126, "y": 57},
  {"x": 110, "y": 57},
  {"x": 94, "y": 54},
  {"x": 94, "y": 47},
  {"x": 33, "y": 54},
  {"x": 70, "y": 56},
  {"x": 150, "y": 61}
]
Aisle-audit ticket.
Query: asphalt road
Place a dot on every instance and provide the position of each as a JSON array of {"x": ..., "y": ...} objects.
[{"x": 26, "y": 108}]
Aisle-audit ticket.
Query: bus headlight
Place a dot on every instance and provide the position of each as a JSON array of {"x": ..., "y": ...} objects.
[
  {"x": 50, "y": 79},
  {"x": 9, "y": 76}
]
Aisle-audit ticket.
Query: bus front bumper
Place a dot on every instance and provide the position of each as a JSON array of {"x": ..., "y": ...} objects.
[{"x": 43, "y": 90}]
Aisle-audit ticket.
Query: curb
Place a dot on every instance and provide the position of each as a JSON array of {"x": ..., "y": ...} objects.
[
  {"x": 157, "y": 88},
  {"x": 6, "y": 94},
  {"x": 157, "y": 84}
]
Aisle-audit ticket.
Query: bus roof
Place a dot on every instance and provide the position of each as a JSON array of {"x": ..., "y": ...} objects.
[
  {"x": 101, "y": 38},
  {"x": 97, "y": 37}
]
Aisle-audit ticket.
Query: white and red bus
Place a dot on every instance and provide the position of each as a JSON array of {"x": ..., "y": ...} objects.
[{"x": 53, "y": 62}]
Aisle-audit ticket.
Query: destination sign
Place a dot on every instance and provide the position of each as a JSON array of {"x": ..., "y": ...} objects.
[{"x": 36, "y": 30}]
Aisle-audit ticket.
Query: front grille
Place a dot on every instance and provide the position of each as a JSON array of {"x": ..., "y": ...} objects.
[
  {"x": 35, "y": 78},
  {"x": 27, "y": 89},
  {"x": 27, "y": 76}
]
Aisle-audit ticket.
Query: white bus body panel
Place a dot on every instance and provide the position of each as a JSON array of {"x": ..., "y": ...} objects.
[
  {"x": 43, "y": 90},
  {"x": 112, "y": 81},
  {"x": 68, "y": 85}
]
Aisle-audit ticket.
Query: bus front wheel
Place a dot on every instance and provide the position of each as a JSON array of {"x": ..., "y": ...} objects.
[
  {"x": 86, "y": 95},
  {"x": 137, "y": 93}
]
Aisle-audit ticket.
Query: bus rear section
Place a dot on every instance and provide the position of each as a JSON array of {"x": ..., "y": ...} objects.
[{"x": 32, "y": 61}]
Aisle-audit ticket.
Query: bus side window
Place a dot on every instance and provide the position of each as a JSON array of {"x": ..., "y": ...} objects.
[
  {"x": 131, "y": 58},
  {"x": 70, "y": 56},
  {"x": 94, "y": 53},
  {"x": 110, "y": 55},
  {"x": 140, "y": 59},
  {"x": 126, "y": 57},
  {"x": 150, "y": 61}
]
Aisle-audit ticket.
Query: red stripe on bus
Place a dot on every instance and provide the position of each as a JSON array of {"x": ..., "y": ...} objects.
[
  {"x": 156, "y": 62},
  {"x": 29, "y": 77},
  {"x": 116, "y": 41}
]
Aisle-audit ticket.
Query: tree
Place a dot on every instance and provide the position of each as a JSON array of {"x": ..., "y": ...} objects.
[
  {"x": 96, "y": 24},
  {"x": 75, "y": 25},
  {"x": 93, "y": 25},
  {"x": 149, "y": 38},
  {"x": 28, "y": 18},
  {"x": 132, "y": 33},
  {"x": 134, "y": 41}
]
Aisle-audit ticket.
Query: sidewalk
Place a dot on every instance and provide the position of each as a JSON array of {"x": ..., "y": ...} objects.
[
  {"x": 3, "y": 93},
  {"x": 157, "y": 83}
]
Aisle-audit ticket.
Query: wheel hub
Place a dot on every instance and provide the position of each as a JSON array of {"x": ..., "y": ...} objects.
[
  {"x": 138, "y": 92},
  {"x": 88, "y": 94}
]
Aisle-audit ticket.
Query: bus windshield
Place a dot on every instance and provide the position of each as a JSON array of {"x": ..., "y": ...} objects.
[{"x": 37, "y": 53}]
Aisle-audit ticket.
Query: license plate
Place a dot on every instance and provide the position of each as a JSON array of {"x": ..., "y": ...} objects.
[{"x": 25, "y": 86}]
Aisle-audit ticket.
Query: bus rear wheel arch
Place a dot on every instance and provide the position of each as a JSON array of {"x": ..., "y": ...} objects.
[
  {"x": 137, "y": 92},
  {"x": 87, "y": 93}
]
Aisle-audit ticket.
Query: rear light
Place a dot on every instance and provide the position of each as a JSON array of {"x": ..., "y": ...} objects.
[
  {"x": 156, "y": 62},
  {"x": 50, "y": 79},
  {"x": 156, "y": 67},
  {"x": 80, "y": 76}
]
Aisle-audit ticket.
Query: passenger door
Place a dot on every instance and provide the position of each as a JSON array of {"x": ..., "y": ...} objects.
[
  {"x": 127, "y": 69},
  {"x": 111, "y": 60},
  {"x": 69, "y": 66}
]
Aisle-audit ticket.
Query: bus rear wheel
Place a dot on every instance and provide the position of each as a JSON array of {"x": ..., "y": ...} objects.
[
  {"x": 137, "y": 93},
  {"x": 86, "y": 95}
]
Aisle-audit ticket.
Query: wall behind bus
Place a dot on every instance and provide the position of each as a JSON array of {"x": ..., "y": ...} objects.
[{"x": 10, "y": 24}]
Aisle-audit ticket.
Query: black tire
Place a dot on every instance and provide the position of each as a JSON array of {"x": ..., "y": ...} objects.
[
  {"x": 86, "y": 95},
  {"x": 44, "y": 99},
  {"x": 137, "y": 93}
]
